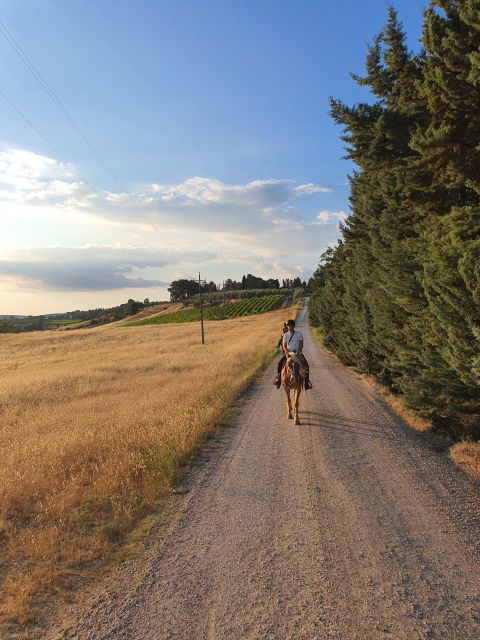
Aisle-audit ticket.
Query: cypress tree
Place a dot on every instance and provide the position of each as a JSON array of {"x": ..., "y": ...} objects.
[
  {"x": 400, "y": 295},
  {"x": 380, "y": 235},
  {"x": 448, "y": 150}
]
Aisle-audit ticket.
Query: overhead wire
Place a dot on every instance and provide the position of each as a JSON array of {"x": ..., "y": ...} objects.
[
  {"x": 59, "y": 154},
  {"x": 30, "y": 124},
  {"x": 44, "y": 84},
  {"x": 55, "y": 150}
]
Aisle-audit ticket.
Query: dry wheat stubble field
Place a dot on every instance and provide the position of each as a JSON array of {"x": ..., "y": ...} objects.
[{"x": 94, "y": 428}]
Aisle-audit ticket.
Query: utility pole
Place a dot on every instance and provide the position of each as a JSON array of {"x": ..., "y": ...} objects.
[
  {"x": 223, "y": 289},
  {"x": 201, "y": 307}
]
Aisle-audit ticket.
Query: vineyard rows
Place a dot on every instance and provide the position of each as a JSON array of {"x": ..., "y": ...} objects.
[{"x": 249, "y": 307}]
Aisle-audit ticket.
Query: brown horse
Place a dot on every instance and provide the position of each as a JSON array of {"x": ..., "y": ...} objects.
[{"x": 292, "y": 380}]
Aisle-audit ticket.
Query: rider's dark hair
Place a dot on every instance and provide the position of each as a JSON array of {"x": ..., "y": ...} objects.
[{"x": 291, "y": 322}]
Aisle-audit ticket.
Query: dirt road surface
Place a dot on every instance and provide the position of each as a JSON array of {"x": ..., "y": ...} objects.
[{"x": 349, "y": 526}]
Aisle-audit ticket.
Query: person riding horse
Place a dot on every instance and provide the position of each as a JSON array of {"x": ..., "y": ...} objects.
[
  {"x": 292, "y": 341},
  {"x": 284, "y": 331}
]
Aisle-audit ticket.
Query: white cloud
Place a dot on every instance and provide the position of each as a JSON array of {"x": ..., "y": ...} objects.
[
  {"x": 198, "y": 202},
  {"x": 207, "y": 190},
  {"x": 25, "y": 170},
  {"x": 310, "y": 187},
  {"x": 323, "y": 217},
  {"x": 259, "y": 215},
  {"x": 33, "y": 179}
]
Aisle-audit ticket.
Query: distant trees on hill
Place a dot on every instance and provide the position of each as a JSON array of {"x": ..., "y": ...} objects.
[
  {"x": 296, "y": 283},
  {"x": 399, "y": 296},
  {"x": 179, "y": 290},
  {"x": 250, "y": 282},
  {"x": 254, "y": 282},
  {"x": 128, "y": 308},
  {"x": 19, "y": 324},
  {"x": 183, "y": 289}
]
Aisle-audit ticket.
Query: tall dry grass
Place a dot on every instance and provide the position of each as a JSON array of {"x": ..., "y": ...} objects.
[
  {"x": 95, "y": 426},
  {"x": 467, "y": 456}
]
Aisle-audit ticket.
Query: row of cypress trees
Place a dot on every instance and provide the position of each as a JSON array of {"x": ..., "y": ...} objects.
[{"x": 399, "y": 297}]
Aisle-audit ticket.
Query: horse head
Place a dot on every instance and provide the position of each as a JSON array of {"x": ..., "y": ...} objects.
[{"x": 292, "y": 369}]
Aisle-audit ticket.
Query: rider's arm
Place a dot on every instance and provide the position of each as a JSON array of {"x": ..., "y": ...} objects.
[{"x": 300, "y": 346}]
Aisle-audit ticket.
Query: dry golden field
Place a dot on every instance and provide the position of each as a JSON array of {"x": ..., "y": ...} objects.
[{"x": 94, "y": 428}]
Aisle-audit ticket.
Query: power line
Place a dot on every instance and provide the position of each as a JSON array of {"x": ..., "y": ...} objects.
[
  {"x": 56, "y": 151},
  {"x": 44, "y": 84},
  {"x": 30, "y": 124}
]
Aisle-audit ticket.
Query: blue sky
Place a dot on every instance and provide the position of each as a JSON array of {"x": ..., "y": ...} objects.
[{"x": 212, "y": 114}]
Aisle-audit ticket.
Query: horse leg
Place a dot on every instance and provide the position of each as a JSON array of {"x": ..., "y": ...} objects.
[
  {"x": 298, "y": 391},
  {"x": 289, "y": 403}
]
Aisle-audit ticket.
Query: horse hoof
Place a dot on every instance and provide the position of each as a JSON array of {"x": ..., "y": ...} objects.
[
  {"x": 297, "y": 421},
  {"x": 290, "y": 417}
]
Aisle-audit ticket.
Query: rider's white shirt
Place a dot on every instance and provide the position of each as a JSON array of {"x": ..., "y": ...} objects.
[{"x": 294, "y": 344}]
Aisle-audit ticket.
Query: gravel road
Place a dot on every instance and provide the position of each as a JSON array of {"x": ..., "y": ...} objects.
[{"x": 349, "y": 526}]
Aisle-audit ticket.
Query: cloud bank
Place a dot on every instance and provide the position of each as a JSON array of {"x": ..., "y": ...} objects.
[
  {"x": 259, "y": 225},
  {"x": 90, "y": 268}
]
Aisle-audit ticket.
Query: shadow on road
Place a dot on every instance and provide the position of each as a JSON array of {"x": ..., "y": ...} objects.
[{"x": 341, "y": 423}]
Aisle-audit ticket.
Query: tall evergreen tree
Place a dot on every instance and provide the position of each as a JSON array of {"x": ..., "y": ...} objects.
[
  {"x": 380, "y": 235},
  {"x": 448, "y": 149},
  {"x": 400, "y": 295}
]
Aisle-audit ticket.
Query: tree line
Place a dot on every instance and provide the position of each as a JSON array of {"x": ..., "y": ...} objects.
[
  {"x": 187, "y": 288},
  {"x": 20, "y": 324},
  {"x": 399, "y": 296}
]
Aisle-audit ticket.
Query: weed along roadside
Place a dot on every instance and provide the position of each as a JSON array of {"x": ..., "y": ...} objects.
[{"x": 96, "y": 428}]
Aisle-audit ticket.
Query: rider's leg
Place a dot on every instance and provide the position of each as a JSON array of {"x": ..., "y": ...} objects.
[
  {"x": 277, "y": 382},
  {"x": 306, "y": 369}
]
